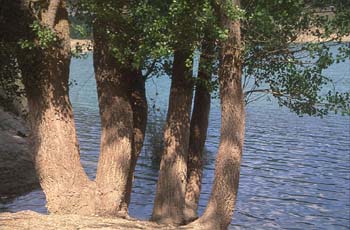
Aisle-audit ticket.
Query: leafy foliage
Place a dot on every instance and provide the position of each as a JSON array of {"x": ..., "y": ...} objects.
[
  {"x": 45, "y": 37},
  {"x": 144, "y": 34},
  {"x": 10, "y": 75},
  {"x": 12, "y": 27},
  {"x": 294, "y": 72},
  {"x": 80, "y": 28},
  {"x": 139, "y": 31}
]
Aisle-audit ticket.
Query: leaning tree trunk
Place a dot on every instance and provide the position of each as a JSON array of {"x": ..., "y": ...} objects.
[
  {"x": 171, "y": 187},
  {"x": 198, "y": 131},
  {"x": 140, "y": 112},
  {"x": 45, "y": 75},
  {"x": 113, "y": 87},
  {"x": 219, "y": 211}
]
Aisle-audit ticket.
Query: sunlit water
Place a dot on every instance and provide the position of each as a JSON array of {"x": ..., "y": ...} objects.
[{"x": 295, "y": 172}]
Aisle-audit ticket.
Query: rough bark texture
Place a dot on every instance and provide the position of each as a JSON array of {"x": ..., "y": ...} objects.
[
  {"x": 113, "y": 87},
  {"x": 45, "y": 73},
  {"x": 51, "y": 12},
  {"x": 171, "y": 187},
  {"x": 221, "y": 204},
  {"x": 140, "y": 111},
  {"x": 66, "y": 186},
  {"x": 198, "y": 133}
]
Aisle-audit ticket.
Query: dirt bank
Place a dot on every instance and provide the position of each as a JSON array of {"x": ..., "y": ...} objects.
[
  {"x": 17, "y": 173},
  {"x": 33, "y": 220}
]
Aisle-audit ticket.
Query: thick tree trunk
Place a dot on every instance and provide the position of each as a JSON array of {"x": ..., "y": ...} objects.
[
  {"x": 198, "y": 132},
  {"x": 171, "y": 187},
  {"x": 45, "y": 72},
  {"x": 113, "y": 87},
  {"x": 219, "y": 211},
  {"x": 51, "y": 13},
  {"x": 140, "y": 111}
]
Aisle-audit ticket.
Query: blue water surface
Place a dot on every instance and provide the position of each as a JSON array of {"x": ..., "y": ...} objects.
[{"x": 295, "y": 172}]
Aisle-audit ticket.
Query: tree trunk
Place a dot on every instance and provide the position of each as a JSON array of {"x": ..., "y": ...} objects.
[
  {"x": 51, "y": 13},
  {"x": 198, "y": 132},
  {"x": 219, "y": 211},
  {"x": 171, "y": 187},
  {"x": 140, "y": 111},
  {"x": 45, "y": 73},
  {"x": 113, "y": 87}
]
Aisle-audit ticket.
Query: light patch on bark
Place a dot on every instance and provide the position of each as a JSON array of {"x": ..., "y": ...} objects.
[{"x": 112, "y": 176}]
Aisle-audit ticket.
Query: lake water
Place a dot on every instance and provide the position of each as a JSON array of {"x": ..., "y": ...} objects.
[{"x": 295, "y": 172}]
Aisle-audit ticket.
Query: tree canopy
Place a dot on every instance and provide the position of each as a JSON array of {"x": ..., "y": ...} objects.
[
  {"x": 274, "y": 62},
  {"x": 291, "y": 71}
]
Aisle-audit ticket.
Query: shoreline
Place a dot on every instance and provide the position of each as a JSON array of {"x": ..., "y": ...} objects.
[
  {"x": 306, "y": 38},
  {"x": 84, "y": 45},
  {"x": 87, "y": 44}
]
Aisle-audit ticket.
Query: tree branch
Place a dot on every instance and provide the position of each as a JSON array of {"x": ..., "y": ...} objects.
[
  {"x": 52, "y": 12},
  {"x": 150, "y": 69},
  {"x": 263, "y": 91}
]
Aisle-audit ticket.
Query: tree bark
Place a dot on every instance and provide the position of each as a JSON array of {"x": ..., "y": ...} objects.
[
  {"x": 113, "y": 87},
  {"x": 171, "y": 187},
  {"x": 140, "y": 112},
  {"x": 51, "y": 13},
  {"x": 219, "y": 211},
  {"x": 198, "y": 132},
  {"x": 67, "y": 187},
  {"x": 45, "y": 74}
]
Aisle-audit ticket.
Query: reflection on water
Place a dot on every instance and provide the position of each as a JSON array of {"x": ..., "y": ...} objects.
[{"x": 295, "y": 172}]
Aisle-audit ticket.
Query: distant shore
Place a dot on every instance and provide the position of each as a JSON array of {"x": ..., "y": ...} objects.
[
  {"x": 304, "y": 38},
  {"x": 87, "y": 45}
]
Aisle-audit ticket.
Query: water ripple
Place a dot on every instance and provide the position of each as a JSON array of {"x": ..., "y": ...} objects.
[{"x": 295, "y": 172}]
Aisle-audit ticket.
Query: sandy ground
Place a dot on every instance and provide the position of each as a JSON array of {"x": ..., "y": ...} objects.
[{"x": 32, "y": 220}]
